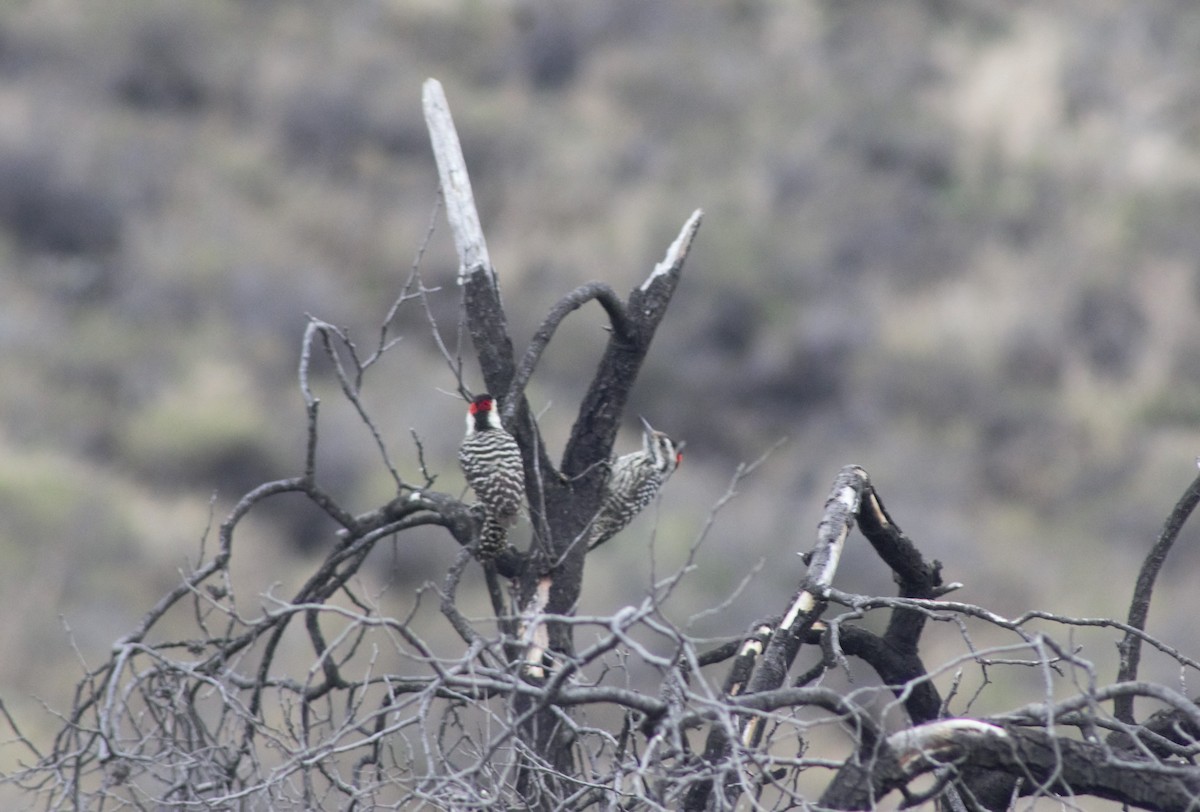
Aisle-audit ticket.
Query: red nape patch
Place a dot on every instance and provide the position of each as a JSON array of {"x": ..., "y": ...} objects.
[
  {"x": 483, "y": 403},
  {"x": 679, "y": 458}
]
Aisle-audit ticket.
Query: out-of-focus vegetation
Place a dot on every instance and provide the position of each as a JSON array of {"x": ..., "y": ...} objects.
[{"x": 952, "y": 241}]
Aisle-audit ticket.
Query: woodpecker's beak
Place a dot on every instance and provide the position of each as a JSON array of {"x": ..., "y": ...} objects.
[{"x": 646, "y": 423}]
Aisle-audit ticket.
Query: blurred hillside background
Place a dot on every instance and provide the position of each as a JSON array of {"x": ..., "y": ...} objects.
[{"x": 953, "y": 241}]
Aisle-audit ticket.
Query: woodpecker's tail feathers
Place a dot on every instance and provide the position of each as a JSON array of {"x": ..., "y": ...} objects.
[{"x": 493, "y": 539}]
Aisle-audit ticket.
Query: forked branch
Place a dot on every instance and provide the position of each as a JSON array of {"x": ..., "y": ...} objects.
[{"x": 603, "y": 294}]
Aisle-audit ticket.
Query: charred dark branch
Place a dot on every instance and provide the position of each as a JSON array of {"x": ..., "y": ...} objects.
[
  {"x": 841, "y": 509},
  {"x": 485, "y": 317},
  {"x": 748, "y": 652},
  {"x": 717, "y": 746},
  {"x": 579, "y": 491},
  {"x": 488, "y": 328},
  {"x": 733, "y": 648},
  {"x": 894, "y": 656},
  {"x": 1047, "y": 764},
  {"x": 600, "y": 412},
  {"x": 598, "y": 291},
  {"x": 564, "y": 504},
  {"x": 916, "y": 577},
  {"x": 1131, "y": 646},
  {"x": 902, "y": 670},
  {"x": 771, "y": 669}
]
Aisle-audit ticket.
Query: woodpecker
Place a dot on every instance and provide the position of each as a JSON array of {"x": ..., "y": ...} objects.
[
  {"x": 635, "y": 481},
  {"x": 491, "y": 462}
]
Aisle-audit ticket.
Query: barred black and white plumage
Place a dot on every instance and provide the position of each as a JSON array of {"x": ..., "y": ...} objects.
[
  {"x": 491, "y": 462},
  {"x": 636, "y": 479}
]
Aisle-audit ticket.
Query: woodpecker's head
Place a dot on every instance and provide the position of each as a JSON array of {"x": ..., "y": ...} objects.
[
  {"x": 483, "y": 414},
  {"x": 665, "y": 453}
]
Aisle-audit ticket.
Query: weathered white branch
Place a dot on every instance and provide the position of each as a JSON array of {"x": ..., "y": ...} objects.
[
  {"x": 456, "y": 183},
  {"x": 918, "y": 746},
  {"x": 840, "y": 509},
  {"x": 678, "y": 250}
]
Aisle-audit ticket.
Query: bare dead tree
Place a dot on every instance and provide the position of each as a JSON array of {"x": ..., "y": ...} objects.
[{"x": 321, "y": 700}]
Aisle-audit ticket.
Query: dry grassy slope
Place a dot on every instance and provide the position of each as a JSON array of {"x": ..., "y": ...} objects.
[{"x": 954, "y": 245}]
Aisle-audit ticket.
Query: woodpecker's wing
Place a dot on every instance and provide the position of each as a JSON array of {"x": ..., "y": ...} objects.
[
  {"x": 491, "y": 463},
  {"x": 633, "y": 486}
]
